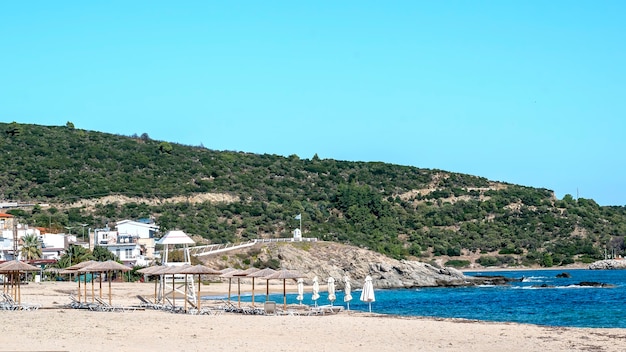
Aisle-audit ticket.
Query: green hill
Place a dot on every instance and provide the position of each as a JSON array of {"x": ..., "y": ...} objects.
[{"x": 397, "y": 210}]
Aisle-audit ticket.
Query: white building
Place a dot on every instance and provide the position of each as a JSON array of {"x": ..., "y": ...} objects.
[
  {"x": 132, "y": 242},
  {"x": 53, "y": 245},
  {"x": 7, "y": 228}
]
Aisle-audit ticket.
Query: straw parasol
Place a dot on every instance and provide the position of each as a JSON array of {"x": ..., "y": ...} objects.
[
  {"x": 90, "y": 269},
  {"x": 180, "y": 270},
  {"x": 229, "y": 273},
  {"x": 247, "y": 273},
  {"x": 173, "y": 270},
  {"x": 200, "y": 270},
  {"x": 73, "y": 269},
  {"x": 15, "y": 268},
  {"x": 263, "y": 273},
  {"x": 108, "y": 266},
  {"x": 152, "y": 271},
  {"x": 161, "y": 272},
  {"x": 285, "y": 274}
]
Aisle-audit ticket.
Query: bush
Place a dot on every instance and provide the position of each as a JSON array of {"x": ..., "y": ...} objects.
[
  {"x": 453, "y": 252},
  {"x": 487, "y": 260},
  {"x": 458, "y": 263}
]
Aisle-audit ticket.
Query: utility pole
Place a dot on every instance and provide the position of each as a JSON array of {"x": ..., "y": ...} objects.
[
  {"x": 15, "y": 239},
  {"x": 83, "y": 225}
]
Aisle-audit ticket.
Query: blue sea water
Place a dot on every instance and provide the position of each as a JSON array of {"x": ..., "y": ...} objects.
[{"x": 562, "y": 303}]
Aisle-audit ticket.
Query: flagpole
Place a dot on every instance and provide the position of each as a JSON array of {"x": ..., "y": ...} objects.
[{"x": 300, "y": 224}]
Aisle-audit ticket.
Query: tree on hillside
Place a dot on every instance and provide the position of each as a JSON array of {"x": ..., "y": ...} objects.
[{"x": 165, "y": 148}]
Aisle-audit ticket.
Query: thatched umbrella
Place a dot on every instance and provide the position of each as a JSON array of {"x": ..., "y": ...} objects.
[
  {"x": 91, "y": 269},
  {"x": 15, "y": 268},
  {"x": 74, "y": 268},
  {"x": 228, "y": 272},
  {"x": 55, "y": 271},
  {"x": 172, "y": 270},
  {"x": 109, "y": 266},
  {"x": 263, "y": 273},
  {"x": 284, "y": 275},
  {"x": 180, "y": 271},
  {"x": 160, "y": 272},
  {"x": 152, "y": 271},
  {"x": 245, "y": 273},
  {"x": 199, "y": 270}
]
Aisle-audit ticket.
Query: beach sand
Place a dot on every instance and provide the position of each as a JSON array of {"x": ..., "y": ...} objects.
[{"x": 52, "y": 328}]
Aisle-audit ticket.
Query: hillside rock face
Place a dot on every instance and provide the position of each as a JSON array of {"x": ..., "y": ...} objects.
[
  {"x": 608, "y": 264},
  {"x": 327, "y": 259}
]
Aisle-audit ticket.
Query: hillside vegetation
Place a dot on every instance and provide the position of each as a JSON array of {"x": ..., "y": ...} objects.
[{"x": 94, "y": 178}]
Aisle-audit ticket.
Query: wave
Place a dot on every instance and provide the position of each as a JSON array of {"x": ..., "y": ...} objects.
[
  {"x": 534, "y": 278},
  {"x": 550, "y": 287}
]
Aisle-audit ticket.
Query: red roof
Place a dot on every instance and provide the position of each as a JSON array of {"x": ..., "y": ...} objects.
[{"x": 3, "y": 215}]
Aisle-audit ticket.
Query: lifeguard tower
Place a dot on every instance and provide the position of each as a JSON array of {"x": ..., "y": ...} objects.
[{"x": 170, "y": 241}]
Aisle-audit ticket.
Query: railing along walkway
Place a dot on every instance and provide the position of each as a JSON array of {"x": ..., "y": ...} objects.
[{"x": 225, "y": 247}]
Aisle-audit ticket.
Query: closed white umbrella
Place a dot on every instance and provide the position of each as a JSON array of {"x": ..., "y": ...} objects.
[
  {"x": 316, "y": 291},
  {"x": 367, "y": 295},
  {"x": 331, "y": 290},
  {"x": 300, "y": 290},
  {"x": 347, "y": 297}
]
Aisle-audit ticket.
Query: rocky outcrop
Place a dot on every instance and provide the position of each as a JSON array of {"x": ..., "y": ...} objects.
[
  {"x": 328, "y": 259},
  {"x": 594, "y": 284},
  {"x": 608, "y": 264}
]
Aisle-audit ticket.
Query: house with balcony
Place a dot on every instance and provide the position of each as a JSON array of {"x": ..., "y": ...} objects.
[{"x": 132, "y": 242}]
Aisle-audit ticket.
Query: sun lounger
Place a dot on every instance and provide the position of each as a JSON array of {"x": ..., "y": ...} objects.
[
  {"x": 326, "y": 309},
  {"x": 76, "y": 304},
  {"x": 210, "y": 311},
  {"x": 7, "y": 304},
  {"x": 106, "y": 307},
  {"x": 145, "y": 303},
  {"x": 10, "y": 304},
  {"x": 170, "y": 307}
]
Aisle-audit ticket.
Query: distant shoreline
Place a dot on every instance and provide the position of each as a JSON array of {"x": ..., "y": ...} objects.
[{"x": 497, "y": 269}]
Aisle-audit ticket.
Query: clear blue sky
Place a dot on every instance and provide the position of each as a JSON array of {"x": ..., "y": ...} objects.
[{"x": 526, "y": 92}]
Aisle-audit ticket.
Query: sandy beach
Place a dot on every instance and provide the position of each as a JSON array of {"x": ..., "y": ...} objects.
[{"x": 54, "y": 328}]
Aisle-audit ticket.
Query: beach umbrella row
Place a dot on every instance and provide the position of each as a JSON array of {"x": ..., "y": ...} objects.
[
  {"x": 92, "y": 266},
  {"x": 268, "y": 274}
]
